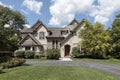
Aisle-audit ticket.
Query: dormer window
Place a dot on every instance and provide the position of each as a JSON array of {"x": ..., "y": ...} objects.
[
  {"x": 50, "y": 33},
  {"x": 64, "y": 32},
  {"x": 41, "y": 35}
]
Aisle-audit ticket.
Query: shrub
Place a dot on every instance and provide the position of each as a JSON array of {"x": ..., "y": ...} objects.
[
  {"x": 41, "y": 55},
  {"x": 13, "y": 63},
  {"x": 53, "y": 54},
  {"x": 36, "y": 56},
  {"x": 77, "y": 53},
  {"x": 19, "y": 53},
  {"x": 1, "y": 70},
  {"x": 4, "y": 58},
  {"x": 29, "y": 54}
]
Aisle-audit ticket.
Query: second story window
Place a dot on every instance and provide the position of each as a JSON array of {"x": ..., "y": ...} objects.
[{"x": 41, "y": 35}]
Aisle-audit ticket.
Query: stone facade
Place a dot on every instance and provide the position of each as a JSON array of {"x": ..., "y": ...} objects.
[{"x": 39, "y": 38}]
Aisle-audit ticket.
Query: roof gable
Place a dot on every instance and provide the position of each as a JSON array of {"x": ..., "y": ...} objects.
[
  {"x": 30, "y": 40},
  {"x": 71, "y": 25},
  {"x": 74, "y": 21},
  {"x": 37, "y": 25},
  {"x": 70, "y": 35}
]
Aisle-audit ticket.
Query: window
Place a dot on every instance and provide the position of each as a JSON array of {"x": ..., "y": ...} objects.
[
  {"x": 64, "y": 32},
  {"x": 33, "y": 48},
  {"x": 55, "y": 44},
  {"x": 41, "y": 35},
  {"x": 27, "y": 48},
  {"x": 50, "y": 33}
]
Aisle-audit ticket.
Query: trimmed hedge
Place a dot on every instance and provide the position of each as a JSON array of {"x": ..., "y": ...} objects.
[
  {"x": 29, "y": 54},
  {"x": 53, "y": 54},
  {"x": 19, "y": 53},
  {"x": 13, "y": 63}
]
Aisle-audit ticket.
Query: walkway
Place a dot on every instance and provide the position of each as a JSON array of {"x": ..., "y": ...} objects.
[{"x": 106, "y": 67}]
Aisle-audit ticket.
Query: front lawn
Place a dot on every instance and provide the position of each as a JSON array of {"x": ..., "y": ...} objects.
[
  {"x": 53, "y": 73},
  {"x": 112, "y": 60}
]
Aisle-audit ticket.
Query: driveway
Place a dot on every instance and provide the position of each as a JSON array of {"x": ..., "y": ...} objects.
[{"x": 112, "y": 69}]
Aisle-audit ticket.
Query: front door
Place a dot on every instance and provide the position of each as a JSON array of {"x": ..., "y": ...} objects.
[{"x": 67, "y": 50}]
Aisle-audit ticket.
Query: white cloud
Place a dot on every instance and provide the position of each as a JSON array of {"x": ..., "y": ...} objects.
[
  {"x": 33, "y": 5},
  {"x": 63, "y": 11},
  {"x": 27, "y": 25},
  {"x": 9, "y": 6},
  {"x": 106, "y": 9},
  {"x": 6, "y": 25}
]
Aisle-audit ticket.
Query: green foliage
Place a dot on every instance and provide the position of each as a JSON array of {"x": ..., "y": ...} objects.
[
  {"x": 19, "y": 53},
  {"x": 1, "y": 70},
  {"x": 95, "y": 40},
  {"x": 4, "y": 59},
  {"x": 15, "y": 20},
  {"x": 76, "y": 52},
  {"x": 115, "y": 35},
  {"x": 13, "y": 63},
  {"x": 37, "y": 56},
  {"x": 29, "y": 54},
  {"x": 42, "y": 55},
  {"x": 53, "y": 54}
]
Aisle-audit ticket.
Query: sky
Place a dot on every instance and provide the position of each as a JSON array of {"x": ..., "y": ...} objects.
[{"x": 58, "y": 13}]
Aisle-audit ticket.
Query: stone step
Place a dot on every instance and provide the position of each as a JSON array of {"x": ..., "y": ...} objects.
[{"x": 65, "y": 59}]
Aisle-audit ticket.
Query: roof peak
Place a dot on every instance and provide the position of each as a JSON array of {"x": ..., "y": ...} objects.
[{"x": 73, "y": 21}]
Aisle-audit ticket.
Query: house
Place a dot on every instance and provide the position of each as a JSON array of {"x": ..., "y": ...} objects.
[{"x": 39, "y": 38}]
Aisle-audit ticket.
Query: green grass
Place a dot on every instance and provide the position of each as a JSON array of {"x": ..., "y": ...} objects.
[
  {"x": 53, "y": 73},
  {"x": 112, "y": 60}
]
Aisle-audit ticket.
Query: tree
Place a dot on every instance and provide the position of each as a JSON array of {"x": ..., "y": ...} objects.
[
  {"x": 95, "y": 40},
  {"x": 9, "y": 36},
  {"x": 115, "y": 35}
]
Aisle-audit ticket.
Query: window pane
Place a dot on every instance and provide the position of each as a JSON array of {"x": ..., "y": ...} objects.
[
  {"x": 41, "y": 35},
  {"x": 27, "y": 48}
]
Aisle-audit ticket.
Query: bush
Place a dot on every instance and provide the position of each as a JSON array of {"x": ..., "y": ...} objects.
[
  {"x": 37, "y": 56},
  {"x": 4, "y": 58},
  {"x": 42, "y": 55},
  {"x": 1, "y": 70},
  {"x": 29, "y": 54},
  {"x": 13, "y": 63},
  {"x": 19, "y": 53},
  {"x": 76, "y": 52},
  {"x": 53, "y": 54}
]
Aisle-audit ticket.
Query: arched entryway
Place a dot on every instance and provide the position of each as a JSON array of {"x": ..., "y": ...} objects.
[{"x": 67, "y": 50}]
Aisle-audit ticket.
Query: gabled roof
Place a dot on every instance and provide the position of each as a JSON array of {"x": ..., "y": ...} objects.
[
  {"x": 56, "y": 32},
  {"x": 71, "y": 25},
  {"x": 68, "y": 37},
  {"x": 27, "y": 30},
  {"x": 34, "y": 28},
  {"x": 31, "y": 41},
  {"x": 37, "y": 25},
  {"x": 73, "y": 21}
]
